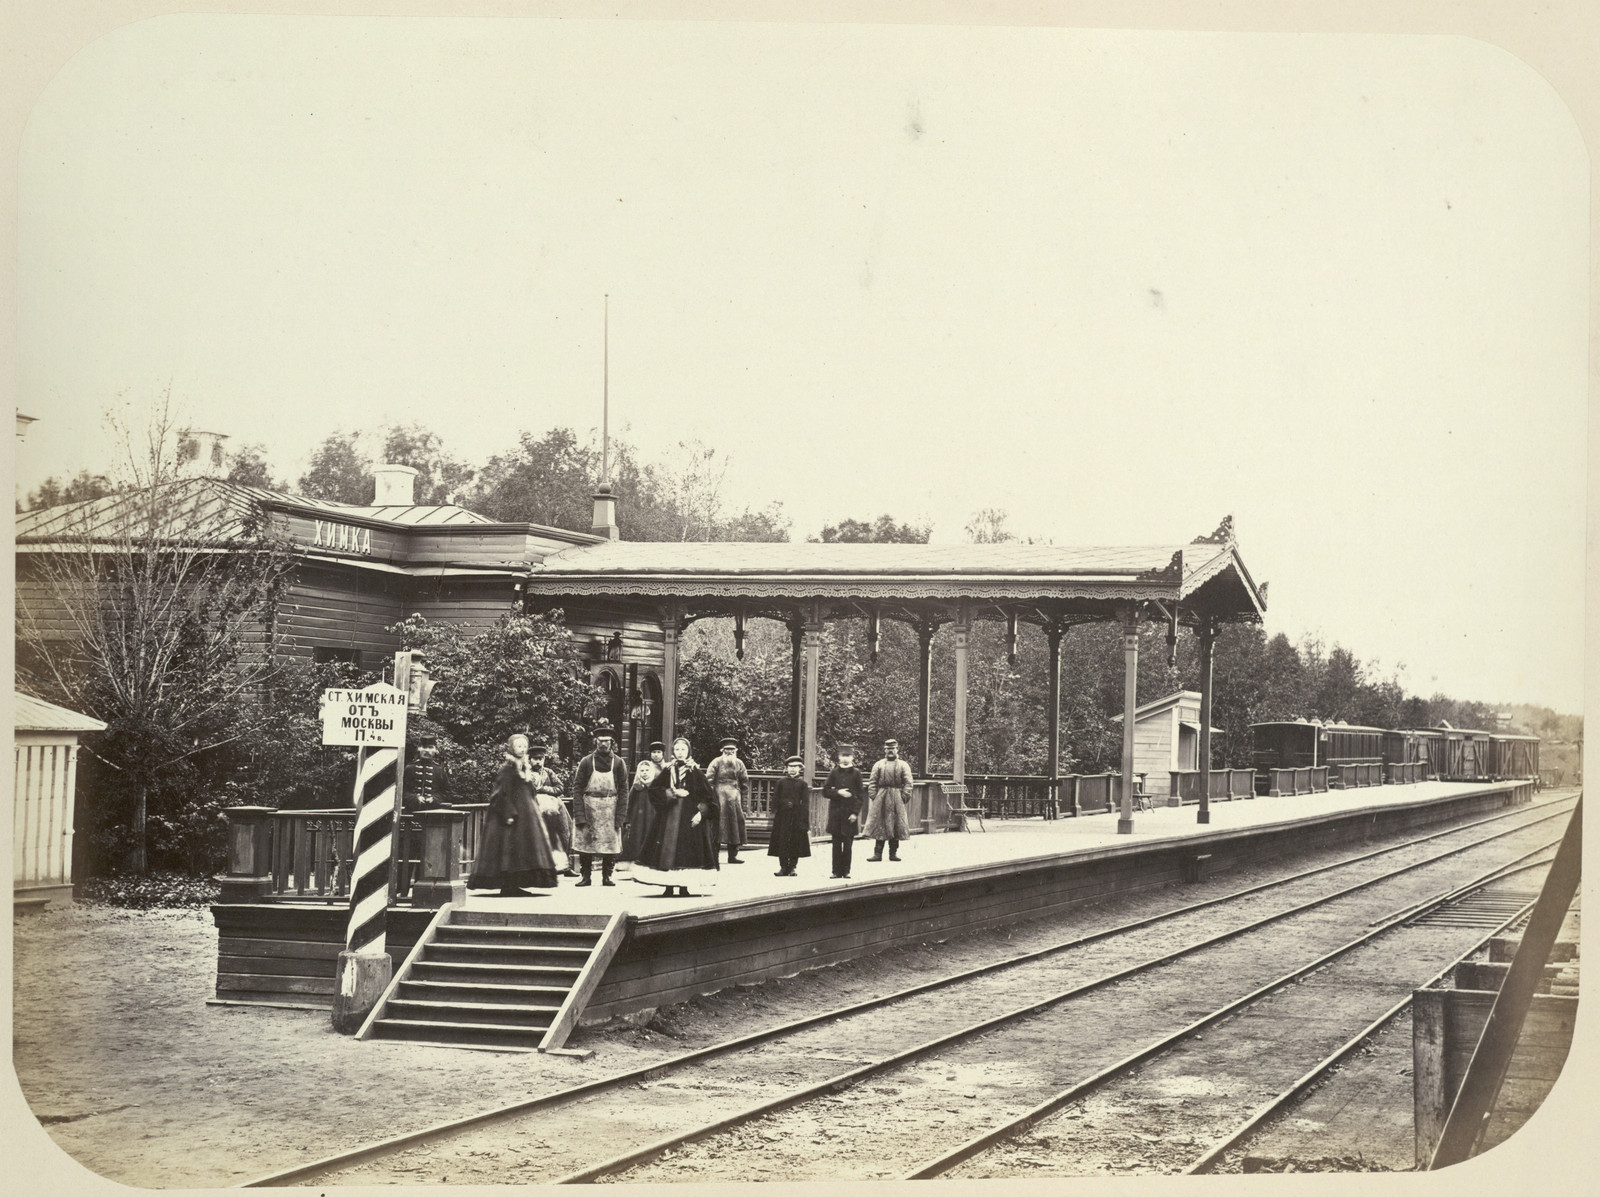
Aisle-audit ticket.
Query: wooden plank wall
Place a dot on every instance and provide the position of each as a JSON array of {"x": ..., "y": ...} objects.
[
  {"x": 643, "y": 641},
  {"x": 671, "y": 960},
  {"x": 469, "y": 603},
  {"x": 42, "y": 811},
  {"x": 340, "y": 609},
  {"x": 289, "y": 954}
]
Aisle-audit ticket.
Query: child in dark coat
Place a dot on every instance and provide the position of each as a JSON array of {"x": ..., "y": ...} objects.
[
  {"x": 791, "y": 819},
  {"x": 847, "y": 795}
]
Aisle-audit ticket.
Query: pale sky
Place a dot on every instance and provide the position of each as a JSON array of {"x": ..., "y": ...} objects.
[{"x": 1118, "y": 284}]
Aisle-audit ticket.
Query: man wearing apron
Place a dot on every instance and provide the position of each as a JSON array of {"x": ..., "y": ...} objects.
[
  {"x": 731, "y": 784},
  {"x": 599, "y": 794}
]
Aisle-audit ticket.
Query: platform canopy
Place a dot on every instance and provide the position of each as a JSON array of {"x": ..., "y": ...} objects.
[{"x": 1205, "y": 579}]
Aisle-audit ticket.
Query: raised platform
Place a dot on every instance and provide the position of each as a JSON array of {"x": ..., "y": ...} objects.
[{"x": 746, "y": 925}]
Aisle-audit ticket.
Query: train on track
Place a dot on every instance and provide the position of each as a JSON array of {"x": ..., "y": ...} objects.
[{"x": 1372, "y": 755}]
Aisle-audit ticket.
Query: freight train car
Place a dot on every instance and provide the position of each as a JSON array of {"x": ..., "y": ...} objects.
[
  {"x": 1513, "y": 756},
  {"x": 1353, "y": 755}
]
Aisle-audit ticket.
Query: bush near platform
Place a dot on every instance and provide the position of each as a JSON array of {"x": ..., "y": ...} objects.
[{"x": 155, "y": 890}]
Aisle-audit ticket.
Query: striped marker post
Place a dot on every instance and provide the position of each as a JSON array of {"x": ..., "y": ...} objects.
[{"x": 365, "y": 966}]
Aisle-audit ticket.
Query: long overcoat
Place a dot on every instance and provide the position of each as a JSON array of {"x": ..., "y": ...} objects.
[
  {"x": 730, "y": 781},
  {"x": 791, "y": 818},
  {"x": 890, "y": 786},
  {"x": 840, "y": 809},
  {"x": 675, "y": 843},
  {"x": 641, "y": 814},
  {"x": 513, "y": 851}
]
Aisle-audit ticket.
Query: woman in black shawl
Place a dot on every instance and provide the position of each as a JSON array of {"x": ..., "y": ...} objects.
[
  {"x": 684, "y": 834},
  {"x": 513, "y": 851}
]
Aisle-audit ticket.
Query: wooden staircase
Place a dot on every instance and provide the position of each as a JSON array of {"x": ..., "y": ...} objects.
[{"x": 497, "y": 982}]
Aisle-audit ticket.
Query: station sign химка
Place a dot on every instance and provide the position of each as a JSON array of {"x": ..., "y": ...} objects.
[{"x": 370, "y": 718}]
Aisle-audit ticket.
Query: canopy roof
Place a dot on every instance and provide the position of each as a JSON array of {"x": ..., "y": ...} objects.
[
  {"x": 35, "y": 714},
  {"x": 1205, "y": 576}
]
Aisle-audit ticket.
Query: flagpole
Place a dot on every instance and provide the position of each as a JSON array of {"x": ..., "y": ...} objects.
[{"x": 605, "y": 398}]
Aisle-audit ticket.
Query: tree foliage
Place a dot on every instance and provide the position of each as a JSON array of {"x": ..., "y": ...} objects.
[
  {"x": 883, "y": 530},
  {"x": 53, "y": 492}
]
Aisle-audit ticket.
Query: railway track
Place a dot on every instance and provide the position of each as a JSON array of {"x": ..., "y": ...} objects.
[{"x": 546, "y": 1129}]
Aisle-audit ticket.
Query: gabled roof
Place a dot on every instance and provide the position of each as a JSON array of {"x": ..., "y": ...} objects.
[
  {"x": 35, "y": 714},
  {"x": 1156, "y": 705}
]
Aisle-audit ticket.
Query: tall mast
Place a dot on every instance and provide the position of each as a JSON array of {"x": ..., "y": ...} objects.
[{"x": 605, "y": 398}]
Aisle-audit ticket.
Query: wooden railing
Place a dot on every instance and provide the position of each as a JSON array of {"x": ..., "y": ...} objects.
[
  {"x": 1352, "y": 776},
  {"x": 306, "y": 855},
  {"x": 1226, "y": 785},
  {"x": 1277, "y": 783},
  {"x": 1405, "y": 774}
]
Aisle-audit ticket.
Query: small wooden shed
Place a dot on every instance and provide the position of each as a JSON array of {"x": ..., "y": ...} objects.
[
  {"x": 42, "y": 800},
  {"x": 1166, "y": 737}
]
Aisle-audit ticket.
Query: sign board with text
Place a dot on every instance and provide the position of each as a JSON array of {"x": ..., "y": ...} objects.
[{"x": 370, "y": 718}]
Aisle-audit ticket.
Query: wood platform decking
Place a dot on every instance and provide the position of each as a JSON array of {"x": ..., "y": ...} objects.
[{"x": 750, "y": 926}]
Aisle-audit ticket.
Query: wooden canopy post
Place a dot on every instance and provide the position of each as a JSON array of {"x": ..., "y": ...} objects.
[
  {"x": 1053, "y": 630},
  {"x": 958, "y": 752},
  {"x": 925, "y": 630},
  {"x": 796, "y": 668},
  {"x": 812, "y": 649},
  {"x": 1208, "y": 639},
  {"x": 669, "y": 675},
  {"x": 1130, "y": 701}
]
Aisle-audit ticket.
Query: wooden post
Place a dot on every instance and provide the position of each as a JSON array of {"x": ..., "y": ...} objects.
[
  {"x": 669, "y": 675},
  {"x": 1054, "y": 632},
  {"x": 438, "y": 879},
  {"x": 1208, "y": 639},
  {"x": 925, "y": 630},
  {"x": 1130, "y": 701},
  {"x": 1428, "y": 1098},
  {"x": 812, "y": 649},
  {"x": 796, "y": 672},
  {"x": 963, "y": 629},
  {"x": 249, "y": 876}
]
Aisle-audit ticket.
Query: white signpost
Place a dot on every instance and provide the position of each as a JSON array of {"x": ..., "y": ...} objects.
[{"x": 370, "y": 718}]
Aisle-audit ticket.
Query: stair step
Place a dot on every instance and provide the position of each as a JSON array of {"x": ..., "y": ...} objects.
[
  {"x": 516, "y": 995},
  {"x": 504, "y": 974},
  {"x": 499, "y": 1013},
  {"x": 536, "y": 937},
  {"x": 500, "y": 953},
  {"x": 451, "y": 1034}
]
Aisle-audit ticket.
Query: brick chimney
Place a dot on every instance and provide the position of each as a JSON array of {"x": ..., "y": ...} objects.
[
  {"x": 394, "y": 486},
  {"x": 605, "y": 513}
]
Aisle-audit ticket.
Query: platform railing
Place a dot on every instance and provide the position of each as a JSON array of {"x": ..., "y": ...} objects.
[
  {"x": 306, "y": 855},
  {"x": 1398, "y": 773},
  {"x": 1227, "y": 785},
  {"x": 1280, "y": 783}
]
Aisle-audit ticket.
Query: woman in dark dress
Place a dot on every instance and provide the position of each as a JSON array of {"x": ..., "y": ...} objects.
[
  {"x": 791, "y": 819},
  {"x": 684, "y": 834},
  {"x": 514, "y": 851}
]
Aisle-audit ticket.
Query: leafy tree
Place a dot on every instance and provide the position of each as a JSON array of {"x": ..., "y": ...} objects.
[
  {"x": 440, "y": 476},
  {"x": 151, "y": 631},
  {"x": 53, "y": 492},
  {"x": 882, "y": 530},
  {"x": 339, "y": 472},
  {"x": 248, "y": 466},
  {"x": 520, "y": 674},
  {"x": 988, "y": 527}
]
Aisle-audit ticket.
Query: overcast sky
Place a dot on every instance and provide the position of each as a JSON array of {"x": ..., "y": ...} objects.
[{"x": 1118, "y": 284}]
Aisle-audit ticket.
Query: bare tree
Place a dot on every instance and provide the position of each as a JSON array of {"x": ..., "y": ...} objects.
[{"x": 151, "y": 609}]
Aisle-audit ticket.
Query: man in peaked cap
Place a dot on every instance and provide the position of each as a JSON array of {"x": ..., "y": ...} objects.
[
  {"x": 846, "y": 791},
  {"x": 731, "y": 783},
  {"x": 791, "y": 818},
  {"x": 889, "y": 786},
  {"x": 599, "y": 805}
]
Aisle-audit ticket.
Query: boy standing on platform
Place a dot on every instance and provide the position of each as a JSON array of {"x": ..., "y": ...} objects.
[
  {"x": 599, "y": 798},
  {"x": 847, "y": 792},
  {"x": 731, "y": 783},
  {"x": 791, "y": 819},
  {"x": 890, "y": 786}
]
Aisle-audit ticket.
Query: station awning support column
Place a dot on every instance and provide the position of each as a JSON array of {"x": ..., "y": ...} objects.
[
  {"x": 925, "y": 631},
  {"x": 669, "y": 675},
  {"x": 1208, "y": 639},
  {"x": 812, "y": 651},
  {"x": 963, "y": 631},
  {"x": 1054, "y": 632},
  {"x": 1130, "y": 701},
  {"x": 796, "y": 669}
]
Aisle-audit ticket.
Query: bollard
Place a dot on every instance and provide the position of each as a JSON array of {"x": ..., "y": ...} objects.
[
  {"x": 249, "y": 877},
  {"x": 438, "y": 881}
]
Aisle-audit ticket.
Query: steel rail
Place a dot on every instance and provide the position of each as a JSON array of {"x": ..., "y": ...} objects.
[
  {"x": 843, "y": 1080},
  {"x": 558, "y": 1097},
  {"x": 1249, "y": 1126},
  {"x": 1067, "y": 1096}
]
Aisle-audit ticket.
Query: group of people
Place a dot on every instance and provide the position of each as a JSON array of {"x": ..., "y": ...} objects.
[{"x": 673, "y": 818}]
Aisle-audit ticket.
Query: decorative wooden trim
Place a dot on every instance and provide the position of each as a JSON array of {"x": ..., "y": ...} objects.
[
  {"x": 594, "y": 970},
  {"x": 423, "y": 940}
]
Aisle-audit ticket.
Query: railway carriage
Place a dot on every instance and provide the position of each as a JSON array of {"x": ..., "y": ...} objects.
[
  {"x": 1353, "y": 755},
  {"x": 1513, "y": 756}
]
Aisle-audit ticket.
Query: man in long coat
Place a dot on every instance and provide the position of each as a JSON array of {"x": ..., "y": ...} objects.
[
  {"x": 683, "y": 835},
  {"x": 731, "y": 783},
  {"x": 889, "y": 787},
  {"x": 846, "y": 790},
  {"x": 791, "y": 818},
  {"x": 599, "y": 805}
]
